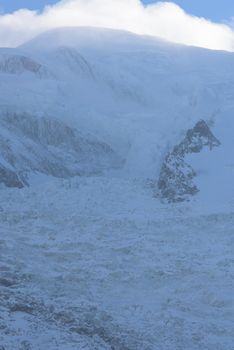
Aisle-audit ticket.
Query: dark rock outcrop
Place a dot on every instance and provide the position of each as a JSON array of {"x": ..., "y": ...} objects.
[
  {"x": 18, "y": 64},
  {"x": 176, "y": 177},
  {"x": 9, "y": 178}
]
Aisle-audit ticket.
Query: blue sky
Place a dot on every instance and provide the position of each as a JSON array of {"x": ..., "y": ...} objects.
[{"x": 217, "y": 10}]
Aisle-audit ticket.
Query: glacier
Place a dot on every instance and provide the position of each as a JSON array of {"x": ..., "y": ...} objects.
[{"x": 91, "y": 255}]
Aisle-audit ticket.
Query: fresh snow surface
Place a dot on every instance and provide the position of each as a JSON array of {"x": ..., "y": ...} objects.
[{"x": 97, "y": 261}]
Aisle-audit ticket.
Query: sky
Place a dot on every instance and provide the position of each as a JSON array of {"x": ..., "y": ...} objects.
[
  {"x": 216, "y": 10},
  {"x": 203, "y": 23},
  {"x": 13, "y": 5}
]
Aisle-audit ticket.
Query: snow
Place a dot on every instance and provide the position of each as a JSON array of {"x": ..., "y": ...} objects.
[
  {"x": 111, "y": 264},
  {"x": 97, "y": 261}
]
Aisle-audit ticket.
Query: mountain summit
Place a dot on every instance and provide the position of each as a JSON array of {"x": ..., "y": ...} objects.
[{"x": 85, "y": 101}]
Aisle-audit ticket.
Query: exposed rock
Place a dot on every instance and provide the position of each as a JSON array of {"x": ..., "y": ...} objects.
[
  {"x": 196, "y": 139},
  {"x": 9, "y": 178},
  {"x": 22, "y": 308},
  {"x": 18, "y": 64},
  {"x": 176, "y": 177},
  {"x": 30, "y": 144}
]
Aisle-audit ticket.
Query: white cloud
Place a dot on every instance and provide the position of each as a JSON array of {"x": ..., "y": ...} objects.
[{"x": 162, "y": 19}]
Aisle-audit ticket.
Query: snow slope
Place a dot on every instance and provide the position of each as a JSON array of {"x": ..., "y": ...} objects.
[
  {"x": 90, "y": 257},
  {"x": 94, "y": 263}
]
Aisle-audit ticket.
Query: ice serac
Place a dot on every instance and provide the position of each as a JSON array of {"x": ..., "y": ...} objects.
[{"x": 176, "y": 180}]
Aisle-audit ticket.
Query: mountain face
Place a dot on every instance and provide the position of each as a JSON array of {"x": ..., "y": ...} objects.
[
  {"x": 45, "y": 145},
  {"x": 176, "y": 179},
  {"x": 93, "y": 124},
  {"x": 82, "y": 101}
]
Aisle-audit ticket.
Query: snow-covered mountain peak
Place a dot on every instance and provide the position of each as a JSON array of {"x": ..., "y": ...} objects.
[
  {"x": 92, "y": 38},
  {"x": 137, "y": 94}
]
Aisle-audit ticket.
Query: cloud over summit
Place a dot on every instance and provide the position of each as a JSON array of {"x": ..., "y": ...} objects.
[{"x": 163, "y": 19}]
